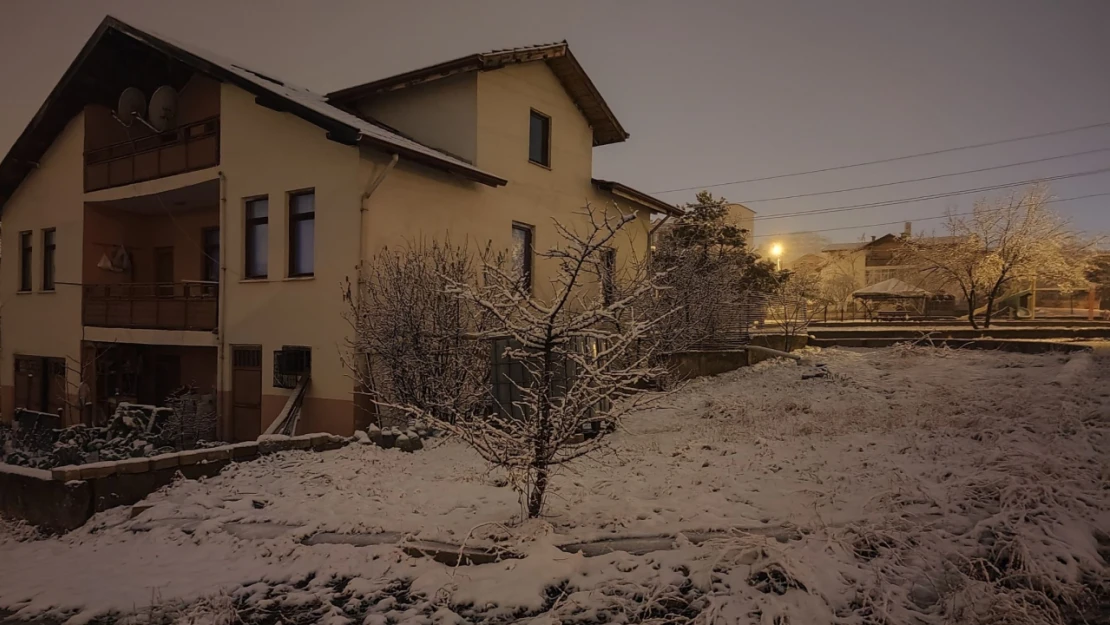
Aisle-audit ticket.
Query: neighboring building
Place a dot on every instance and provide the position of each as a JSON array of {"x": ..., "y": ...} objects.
[
  {"x": 212, "y": 251},
  {"x": 742, "y": 216}
]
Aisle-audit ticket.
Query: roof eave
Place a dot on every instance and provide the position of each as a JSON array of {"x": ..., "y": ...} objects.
[
  {"x": 476, "y": 175},
  {"x": 641, "y": 198}
]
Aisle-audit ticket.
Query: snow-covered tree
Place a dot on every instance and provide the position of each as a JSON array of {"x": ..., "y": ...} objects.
[
  {"x": 1000, "y": 244},
  {"x": 705, "y": 266},
  {"x": 584, "y": 352}
]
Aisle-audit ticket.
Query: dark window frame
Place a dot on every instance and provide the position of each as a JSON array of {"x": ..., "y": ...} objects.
[
  {"x": 26, "y": 258},
  {"x": 210, "y": 253},
  {"x": 49, "y": 264},
  {"x": 526, "y": 281},
  {"x": 250, "y": 241},
  {"x": 608, "y": 277},
  {"x": 294, "y": 242},
  {"x": 544, "y": 149}
]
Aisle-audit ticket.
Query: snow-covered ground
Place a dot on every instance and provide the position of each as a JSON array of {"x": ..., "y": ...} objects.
[{"x": 910, "y": 485}]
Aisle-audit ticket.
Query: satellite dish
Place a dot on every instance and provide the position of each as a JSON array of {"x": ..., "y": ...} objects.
[
  {"x": 163, "y": 108},
  {"x": 132, "y": 104}
]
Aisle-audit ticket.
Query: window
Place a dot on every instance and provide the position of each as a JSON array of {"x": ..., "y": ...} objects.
[
  {"x": 210, "y": 261},
  {"x": 522, "y": 255},
  {"x": 539, "y": 139},
  {"x": 608, "y": 275},
  {"x": 25, "y": 261},
  {"x": 257, "y": 237},
  {"x": 302, "y": 232},
  {"x": 48, "y": 259}
]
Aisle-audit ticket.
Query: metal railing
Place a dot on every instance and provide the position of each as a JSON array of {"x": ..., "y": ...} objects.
[
  {"x": 186, "y": 148},
  {"x": 154, "y": 306}
]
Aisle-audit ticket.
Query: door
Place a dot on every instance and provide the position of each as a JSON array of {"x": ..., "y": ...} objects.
[
  {"x": 246, "y": 392},
  {"x": 28, "y": 383},
  {"x": 163, "y": 270},
  {"x": 167, "y": 377}
]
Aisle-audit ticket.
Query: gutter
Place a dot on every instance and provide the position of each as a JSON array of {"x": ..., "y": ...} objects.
[
  {"x": 363, "y": 210},
  {"x": 221, "y": 313}
]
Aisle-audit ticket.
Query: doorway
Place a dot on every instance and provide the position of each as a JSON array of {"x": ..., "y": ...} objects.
[{"x": 246, "y": 392}]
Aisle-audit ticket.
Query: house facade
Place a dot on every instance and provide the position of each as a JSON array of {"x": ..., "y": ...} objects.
[{"x": 208, "y": 243}]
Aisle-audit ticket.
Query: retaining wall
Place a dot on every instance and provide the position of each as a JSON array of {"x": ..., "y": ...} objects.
[
  {"x": 63, "y": 498},
  {"x": 694, "y": 364},
  {"x": 1011, "y": 345}
]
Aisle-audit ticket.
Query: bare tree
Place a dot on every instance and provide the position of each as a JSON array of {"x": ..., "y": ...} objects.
[
  {"x": 998, "y": 243},
  {"x": 414, "y": 342},
  {"x": 795, "y": 302},
  {"x": 581, "y": 352}
]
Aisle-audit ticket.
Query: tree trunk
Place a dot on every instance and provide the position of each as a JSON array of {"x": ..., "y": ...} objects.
[
  {"x": 539, "y": 487},
  {"x": 990, "y": 311},
  {"x": 971, "y": 310}
]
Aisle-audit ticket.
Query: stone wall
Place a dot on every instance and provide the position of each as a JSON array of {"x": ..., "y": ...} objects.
[{"x": 64, "y": 498}]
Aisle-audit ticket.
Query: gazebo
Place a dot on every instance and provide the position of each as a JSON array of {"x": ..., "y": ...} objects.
[{"x": 892, "y": 298}]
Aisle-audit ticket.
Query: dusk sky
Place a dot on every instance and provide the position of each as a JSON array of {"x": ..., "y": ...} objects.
[{"x": 711, "y": 92}]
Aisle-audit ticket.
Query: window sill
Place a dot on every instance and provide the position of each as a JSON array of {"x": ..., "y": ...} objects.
[
  {"x": 298, "y": 278},
  {"x": 48, "y": 291},
  {"x": 251, "y": 280},
  {"x": 24, "y": 292},
  {"x": 541, "y": 165}
]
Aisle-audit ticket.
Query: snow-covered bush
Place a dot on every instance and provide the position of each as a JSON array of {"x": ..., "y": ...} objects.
[{"x": 414, "y": 342}]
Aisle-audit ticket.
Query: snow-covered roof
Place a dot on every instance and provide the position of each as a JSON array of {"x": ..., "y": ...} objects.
[
  {"x": 893, "y": 286},
  {"x": 77, "y": 87}
]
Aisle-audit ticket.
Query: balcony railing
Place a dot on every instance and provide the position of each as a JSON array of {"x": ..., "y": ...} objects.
[
  {"x": 155, "y": 306},
  {"x": 186, "y": 148}
]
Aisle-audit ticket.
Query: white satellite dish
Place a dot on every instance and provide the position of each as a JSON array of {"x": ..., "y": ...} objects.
[
  {"x": 132, "y": 105},
  {"x": 163, "y": 108}
]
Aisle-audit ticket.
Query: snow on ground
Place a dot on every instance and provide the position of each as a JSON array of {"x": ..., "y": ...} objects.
[{"x": 921, "y": 485}]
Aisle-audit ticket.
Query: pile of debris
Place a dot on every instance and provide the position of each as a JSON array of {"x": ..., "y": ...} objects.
[{"x": 133, "y": 431}]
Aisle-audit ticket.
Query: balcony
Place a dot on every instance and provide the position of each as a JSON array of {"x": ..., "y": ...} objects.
[
  {"x": 151, "y": 306},
  {"x": 187, "y": 148}
]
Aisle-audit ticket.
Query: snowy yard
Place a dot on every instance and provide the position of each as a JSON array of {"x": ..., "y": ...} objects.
[{"x": 908, "y": 486}]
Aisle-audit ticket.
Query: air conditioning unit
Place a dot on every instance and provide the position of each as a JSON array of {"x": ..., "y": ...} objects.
[{"x": 291, "y": 363}]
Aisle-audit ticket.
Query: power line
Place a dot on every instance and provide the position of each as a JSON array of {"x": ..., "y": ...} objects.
[
  {"x": 888, "y": 160},
  {"x": 922, "y": 198},
  {"x": 901, "y": 221},
  {"x": 936, "y": 177}
]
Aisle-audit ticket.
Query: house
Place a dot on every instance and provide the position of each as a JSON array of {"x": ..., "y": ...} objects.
[{"x": 180, "y": 219}]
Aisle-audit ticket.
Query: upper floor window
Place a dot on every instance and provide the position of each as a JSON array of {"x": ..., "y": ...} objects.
[
  {"x": 210, "y": 262},
  {"x": 48, "y": 259},
  {"x": 25, "y": 260},
  {"x": 522, "y": 256},
  {"x": 302, "y": 233},
  {"x": 539, "y": 139},
  {"x": 608, "y": 275},
  {"x": 257, "y": 237}
]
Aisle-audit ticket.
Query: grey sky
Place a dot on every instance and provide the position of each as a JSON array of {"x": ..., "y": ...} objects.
[{"x": 710, "y": 91}]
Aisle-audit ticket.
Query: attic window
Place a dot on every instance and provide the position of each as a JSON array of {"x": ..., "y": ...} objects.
[{"x": 539, "y": 139}]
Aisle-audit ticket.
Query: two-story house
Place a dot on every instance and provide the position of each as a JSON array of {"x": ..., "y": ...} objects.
[{"x": 179, "y": 219}]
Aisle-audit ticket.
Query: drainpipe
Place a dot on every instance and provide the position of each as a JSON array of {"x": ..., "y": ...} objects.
[
  {"x": 221, "y": 314},
  {"x": 363, "y": 210}
]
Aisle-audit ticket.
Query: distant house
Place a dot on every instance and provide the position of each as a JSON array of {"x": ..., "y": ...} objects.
[{"x": 180, "y": 219}]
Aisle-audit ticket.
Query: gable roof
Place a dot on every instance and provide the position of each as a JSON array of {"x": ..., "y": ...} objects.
[
  {"x": 558, "y": 57},
  {"x": 113, "y": 58},
  {"x": 842, "y": 247}
]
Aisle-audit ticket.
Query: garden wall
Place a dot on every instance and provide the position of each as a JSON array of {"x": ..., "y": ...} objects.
[
  {"x": 63, "y": 498},
  {"x": 694, "y": 364}
]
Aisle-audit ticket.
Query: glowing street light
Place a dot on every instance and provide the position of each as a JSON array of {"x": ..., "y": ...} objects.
[{"x": 776, "y": 251}]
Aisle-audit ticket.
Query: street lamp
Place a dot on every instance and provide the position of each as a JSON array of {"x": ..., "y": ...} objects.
[{"x": 776, "y": 251}]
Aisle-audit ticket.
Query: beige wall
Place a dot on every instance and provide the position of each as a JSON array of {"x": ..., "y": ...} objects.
[
  {"x": 442, "y": 113},
  {"x": 42, "y": 323},
  {"x": 742, "y": 216},
  {"x": 265, "y": 152}
]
